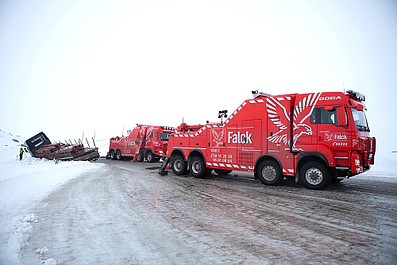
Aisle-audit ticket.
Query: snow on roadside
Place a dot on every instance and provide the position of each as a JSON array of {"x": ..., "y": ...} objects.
[
  {"x": 385, "y": 166},
  {"x": 22, "y": 184}
]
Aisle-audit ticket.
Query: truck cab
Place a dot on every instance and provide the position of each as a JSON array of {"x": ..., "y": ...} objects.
[
  {"x": 341, "y": 134},
  {"x": 156, "y": 143}
]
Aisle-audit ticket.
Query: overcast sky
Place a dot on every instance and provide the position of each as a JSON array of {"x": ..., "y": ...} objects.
[{"x": 68, "y": 67}]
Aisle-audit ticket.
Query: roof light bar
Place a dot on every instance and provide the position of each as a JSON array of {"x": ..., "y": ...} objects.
[{"x": 356, "y": 95}]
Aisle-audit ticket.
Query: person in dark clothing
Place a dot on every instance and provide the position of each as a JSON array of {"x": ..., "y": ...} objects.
[{"x": 20, "y": 154}]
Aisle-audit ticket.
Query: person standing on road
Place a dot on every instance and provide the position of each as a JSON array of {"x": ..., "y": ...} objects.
[{"x": 20, "y": 154}]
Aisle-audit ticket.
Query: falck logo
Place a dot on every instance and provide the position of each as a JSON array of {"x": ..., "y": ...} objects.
[
  {"x": 280, "y": 117},
  {"x": 329, "y": 137},
  {"x": 217, "y": 137}
]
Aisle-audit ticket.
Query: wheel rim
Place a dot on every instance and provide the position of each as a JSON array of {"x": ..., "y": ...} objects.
[
  {"x": 269, "y": 173},
  {"x": 178, "y": 165},
  {"x": 149, "y": 157},
  {"x": 196, "y": 167},
  {"x": 314, "y": 176}
]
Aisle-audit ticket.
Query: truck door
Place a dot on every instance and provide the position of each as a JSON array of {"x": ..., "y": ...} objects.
[{"x": 330, "y": 131}]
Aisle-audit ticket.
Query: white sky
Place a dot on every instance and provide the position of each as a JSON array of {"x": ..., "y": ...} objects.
[{"x": 68, "y": 67}]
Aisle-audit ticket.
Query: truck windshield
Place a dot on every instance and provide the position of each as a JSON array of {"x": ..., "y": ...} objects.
[{"x": 360, "y": 120}]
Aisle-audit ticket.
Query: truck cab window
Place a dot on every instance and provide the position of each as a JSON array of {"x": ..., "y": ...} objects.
[{"x": 323, "y": 116}]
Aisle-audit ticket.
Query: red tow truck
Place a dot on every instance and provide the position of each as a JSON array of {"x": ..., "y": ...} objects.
[
  {"x": 316, "y": 138},
  {"x": 143, "y": 142}
]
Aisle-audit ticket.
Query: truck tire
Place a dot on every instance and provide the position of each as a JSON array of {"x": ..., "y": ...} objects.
[
  {"x": 314, "y": 175},
  {"x": 150, "y": 156},
  {"x": 118, "y": 154},
  {"x": 178, "y": 165},
  {"x": 112, "y": 154},
  {"x": 139, "y": 157},
  {"x": 222, "y": 171},
  {"x": 269, "y": 172},
  {"x": 197, "y": 167}
]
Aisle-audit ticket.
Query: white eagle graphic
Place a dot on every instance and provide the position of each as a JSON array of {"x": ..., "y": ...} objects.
[
  {"x": 148, "y": 132},
  {"x": 218, "y": 137},
  {"x": 280, "y": 117}
]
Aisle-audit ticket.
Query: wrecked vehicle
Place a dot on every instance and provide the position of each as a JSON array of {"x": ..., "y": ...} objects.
[{"x": 40, "y": 146}]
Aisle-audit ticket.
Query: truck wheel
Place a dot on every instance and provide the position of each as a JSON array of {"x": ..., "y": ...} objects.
[
  {"x": 112, "y": 154},
  {"x": 222, "y": 171},
  {"x": 149, "y": 156},
  {"x": 118, "y": 154},
  {"x": 197, "y": 167},
  {"x": 269, "y": 172},
  {"x": 179, "y": 165},
  {"x": 139, "y": 157},
  {"x": 314, "y": 175}
]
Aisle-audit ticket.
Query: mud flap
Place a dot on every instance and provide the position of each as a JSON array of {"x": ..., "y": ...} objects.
[
  {"x": 164, "y": 165},
  {"x": 298, "y": 180}
]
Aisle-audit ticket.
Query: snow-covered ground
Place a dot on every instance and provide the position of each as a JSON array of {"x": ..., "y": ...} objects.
[
  {"x": 22, "y": 184},
  {"x": 385, "y": 166},
  {"x": 25, "y": 183}
]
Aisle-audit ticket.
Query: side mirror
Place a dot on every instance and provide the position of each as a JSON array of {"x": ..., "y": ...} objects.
[{"x": 342, "y": 117}]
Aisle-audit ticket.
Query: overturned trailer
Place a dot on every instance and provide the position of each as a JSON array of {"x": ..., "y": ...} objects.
[{"x": 40, "y": 146}]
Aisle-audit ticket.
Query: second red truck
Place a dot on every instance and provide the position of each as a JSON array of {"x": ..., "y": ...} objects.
[{"x": 143, "y": 142}]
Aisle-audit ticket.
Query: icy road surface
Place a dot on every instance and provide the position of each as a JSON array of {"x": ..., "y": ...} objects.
[{"x": 126, "y": 214}]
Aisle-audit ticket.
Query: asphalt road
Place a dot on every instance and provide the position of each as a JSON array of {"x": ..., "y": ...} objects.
[{"x": 128, "y": 214}]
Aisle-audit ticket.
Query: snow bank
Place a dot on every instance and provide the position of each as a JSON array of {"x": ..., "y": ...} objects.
[
  {"x": 22, "y": 184},
  {"x": 385, "y": 166}
]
